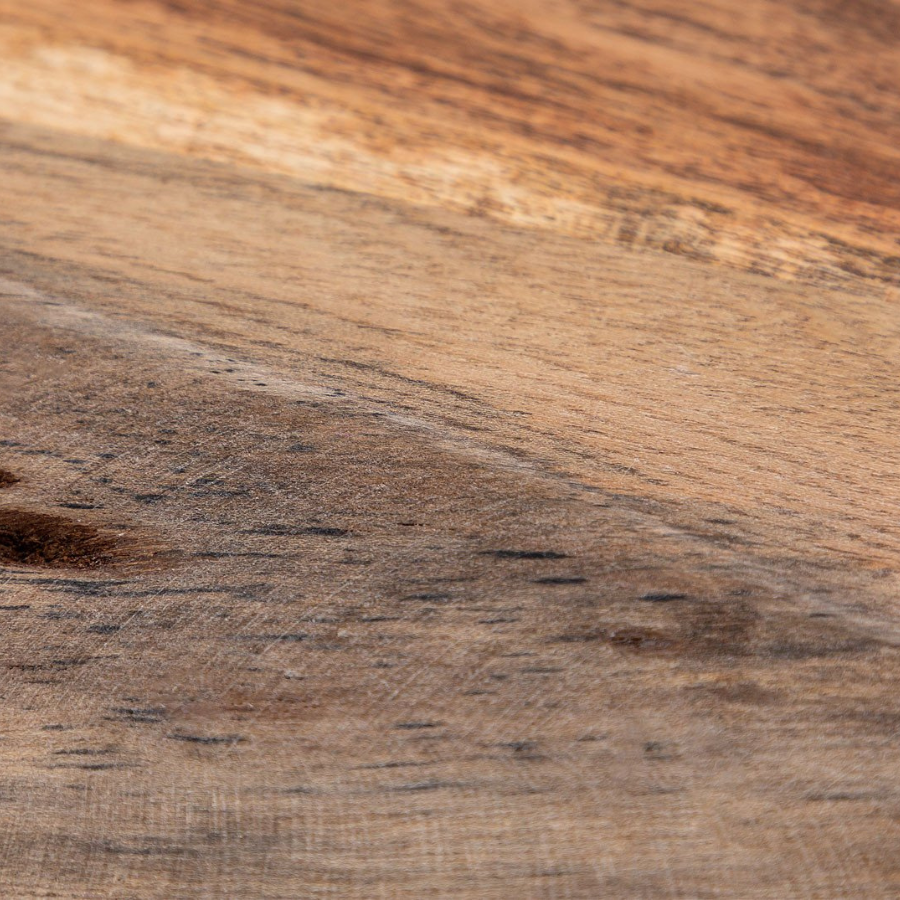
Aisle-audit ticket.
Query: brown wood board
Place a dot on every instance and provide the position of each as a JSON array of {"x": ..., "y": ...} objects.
[{"x": 449, "y": 450}]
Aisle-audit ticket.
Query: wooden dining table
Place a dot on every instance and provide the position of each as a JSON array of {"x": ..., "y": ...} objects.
[{"x": 449, "y": 448}]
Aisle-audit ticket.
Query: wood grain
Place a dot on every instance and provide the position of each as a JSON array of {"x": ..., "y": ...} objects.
[
  {"x": 412, "y": 486},
  {"x": 761, "y": 134}
]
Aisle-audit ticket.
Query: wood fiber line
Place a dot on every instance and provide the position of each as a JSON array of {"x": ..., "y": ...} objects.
[{"x": 761, "y": 134}]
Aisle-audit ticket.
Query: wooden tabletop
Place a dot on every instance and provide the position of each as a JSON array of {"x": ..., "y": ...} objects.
[{"x": 450, "y": 449}]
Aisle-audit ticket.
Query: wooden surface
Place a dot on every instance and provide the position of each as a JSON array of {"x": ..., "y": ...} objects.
[{"x": 449, "y": 450}]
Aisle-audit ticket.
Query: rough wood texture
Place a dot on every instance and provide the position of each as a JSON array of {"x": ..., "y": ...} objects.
[
  {"x": 353, "y": 546},
  {"x": 763, "y": 134}
]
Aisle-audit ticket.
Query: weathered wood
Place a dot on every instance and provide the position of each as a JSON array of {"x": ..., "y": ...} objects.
[{"x": 362, "y": 549}]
